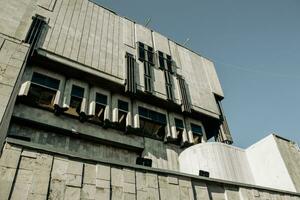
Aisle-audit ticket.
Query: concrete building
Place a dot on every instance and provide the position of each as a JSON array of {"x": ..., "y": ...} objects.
[
  {"x": 272, "y": 162},
  {"x": 96, "y": 106}
]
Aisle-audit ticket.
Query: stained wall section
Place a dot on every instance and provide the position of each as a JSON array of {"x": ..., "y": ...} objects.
[{"x": 62, "y": 177}]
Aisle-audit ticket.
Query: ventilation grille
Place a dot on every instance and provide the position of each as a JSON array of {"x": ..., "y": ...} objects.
[
  {"x": 130, "y": 86},
  {"x": 35, "y": 31},
  {"x": 185, "y": 104}
]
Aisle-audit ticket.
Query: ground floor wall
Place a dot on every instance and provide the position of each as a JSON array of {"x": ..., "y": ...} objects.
[
  {"x": 94, "y": 146},
  {"x": 28, "y": 173}
]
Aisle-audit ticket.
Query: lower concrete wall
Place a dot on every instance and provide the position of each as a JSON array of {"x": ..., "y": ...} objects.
[{"x": 33, "y": 174}]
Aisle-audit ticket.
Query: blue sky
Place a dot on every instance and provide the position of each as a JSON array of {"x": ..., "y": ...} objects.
[{"x": 255, "y": 46}]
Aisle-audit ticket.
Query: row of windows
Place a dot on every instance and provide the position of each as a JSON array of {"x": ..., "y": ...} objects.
[
  {"x": 44, "y": 91},
  {"x": 146, "y": 55}
]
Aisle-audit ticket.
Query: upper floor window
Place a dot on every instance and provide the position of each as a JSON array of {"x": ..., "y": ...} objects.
[
  {"x": 197, "y": 133},
  {"x": 169, "y": 85},
  {"x": 179, "y": 128},
  {"x": 123, "y": 108},
  {"x": 43, "y": 90},
  {"x": 152, "y": 123},
  {"x": 165, "y": 61},
  {"x": 100, "y": 105},
  {"x": 77, "y": 94},
  {"x": 145, "y": 53}
]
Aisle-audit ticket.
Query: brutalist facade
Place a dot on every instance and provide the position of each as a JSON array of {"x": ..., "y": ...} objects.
[{"x": 95, "y": 106}]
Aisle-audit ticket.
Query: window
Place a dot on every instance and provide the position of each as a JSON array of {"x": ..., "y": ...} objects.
[
  {"x": 147, "y": 77},
  {"x": 43, "y": 90},
  {"x": 146, "y": 55},
  {"x": 100, "y": 105},
  {"x": 122, "y": 114},
  {"x": 197, "y": 133},
  {"x": 77, "y": 94},
  {"x": 169, "y": 89},
  {"x": 152, "y": 123},
  {"x": 165, "y": 63},
  {"x": 179, "y": 129}
]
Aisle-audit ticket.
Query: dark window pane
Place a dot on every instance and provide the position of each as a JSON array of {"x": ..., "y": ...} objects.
[
  {"x": 169, "y": 58},
  {"x": 45, "y": 80},
  {"x": 147, "y": 69},
  {"x": 179, "y": 123},
  {"x": 149, "y": 127},
  {"x": 41, "y": 96},
  {"x": 169, "y": 63},
  {"x": 152, "y": 115},
  {"x": 100, "y": 98},
  {"x": 141, "y": 53},
  {"x": 75, "y": 104},
  {"x": 150, "y": 49},
  {"x": 196, "y": 129},
  {"x": 122, "y": 120},
  {"x": 143, "y": 112},
  {"x": 123, "y": 105},
  {"x": 99, "y": 112},
  {"x": 77, "y": 91},
  {"x": 141, "y": 45},
  {"x": 150, "y": 57},
  {"x": 168, "y": 77},
  {"x": 161, "y": 62}
]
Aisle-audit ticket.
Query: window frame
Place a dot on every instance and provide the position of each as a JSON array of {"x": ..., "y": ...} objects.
[
  {"x": 147, "y": 65},
  {"x": 152, "y": 109},
  {"x": 190, "y": 121},
  {"x": 93, "y": 103},
  {"x": 27, "y": 83},
  {"x": 83, "y": 113},
  {"x": 115, "y": 111}
]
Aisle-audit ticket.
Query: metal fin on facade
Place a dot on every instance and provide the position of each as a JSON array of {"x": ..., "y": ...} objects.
[
  {"x": 35, "y": 32},
  {"x": 224, "y": 134},
  {"x": 130, "y": 85},
  {"x": 185, "y": 103}
]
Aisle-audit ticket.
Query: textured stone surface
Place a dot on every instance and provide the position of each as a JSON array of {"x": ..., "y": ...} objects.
[{"x": 104, "y": 182}]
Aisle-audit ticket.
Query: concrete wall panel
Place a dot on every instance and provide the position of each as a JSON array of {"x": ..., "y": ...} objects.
[
  {"x": 69, "y": 178},
  {"x": 290, "y": 154},
  {"x": 265, "y": 161}
]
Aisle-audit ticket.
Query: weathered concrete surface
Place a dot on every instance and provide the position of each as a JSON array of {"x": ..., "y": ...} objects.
[
  {"x": 272, "y": 162},
  {"x": 12, "y": 56},
  {"x": 98, "y": 38},
  {"x": 290, "y": 154},
  {"x": 42, "y": 175},
  {"x": 222, "y": 161},
  {"x": 267, "y": 164}
]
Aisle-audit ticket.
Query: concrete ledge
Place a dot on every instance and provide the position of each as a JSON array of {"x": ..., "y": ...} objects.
[
  {"x": 67, "y": 125},
  {"x": 79, "y": 66}
]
